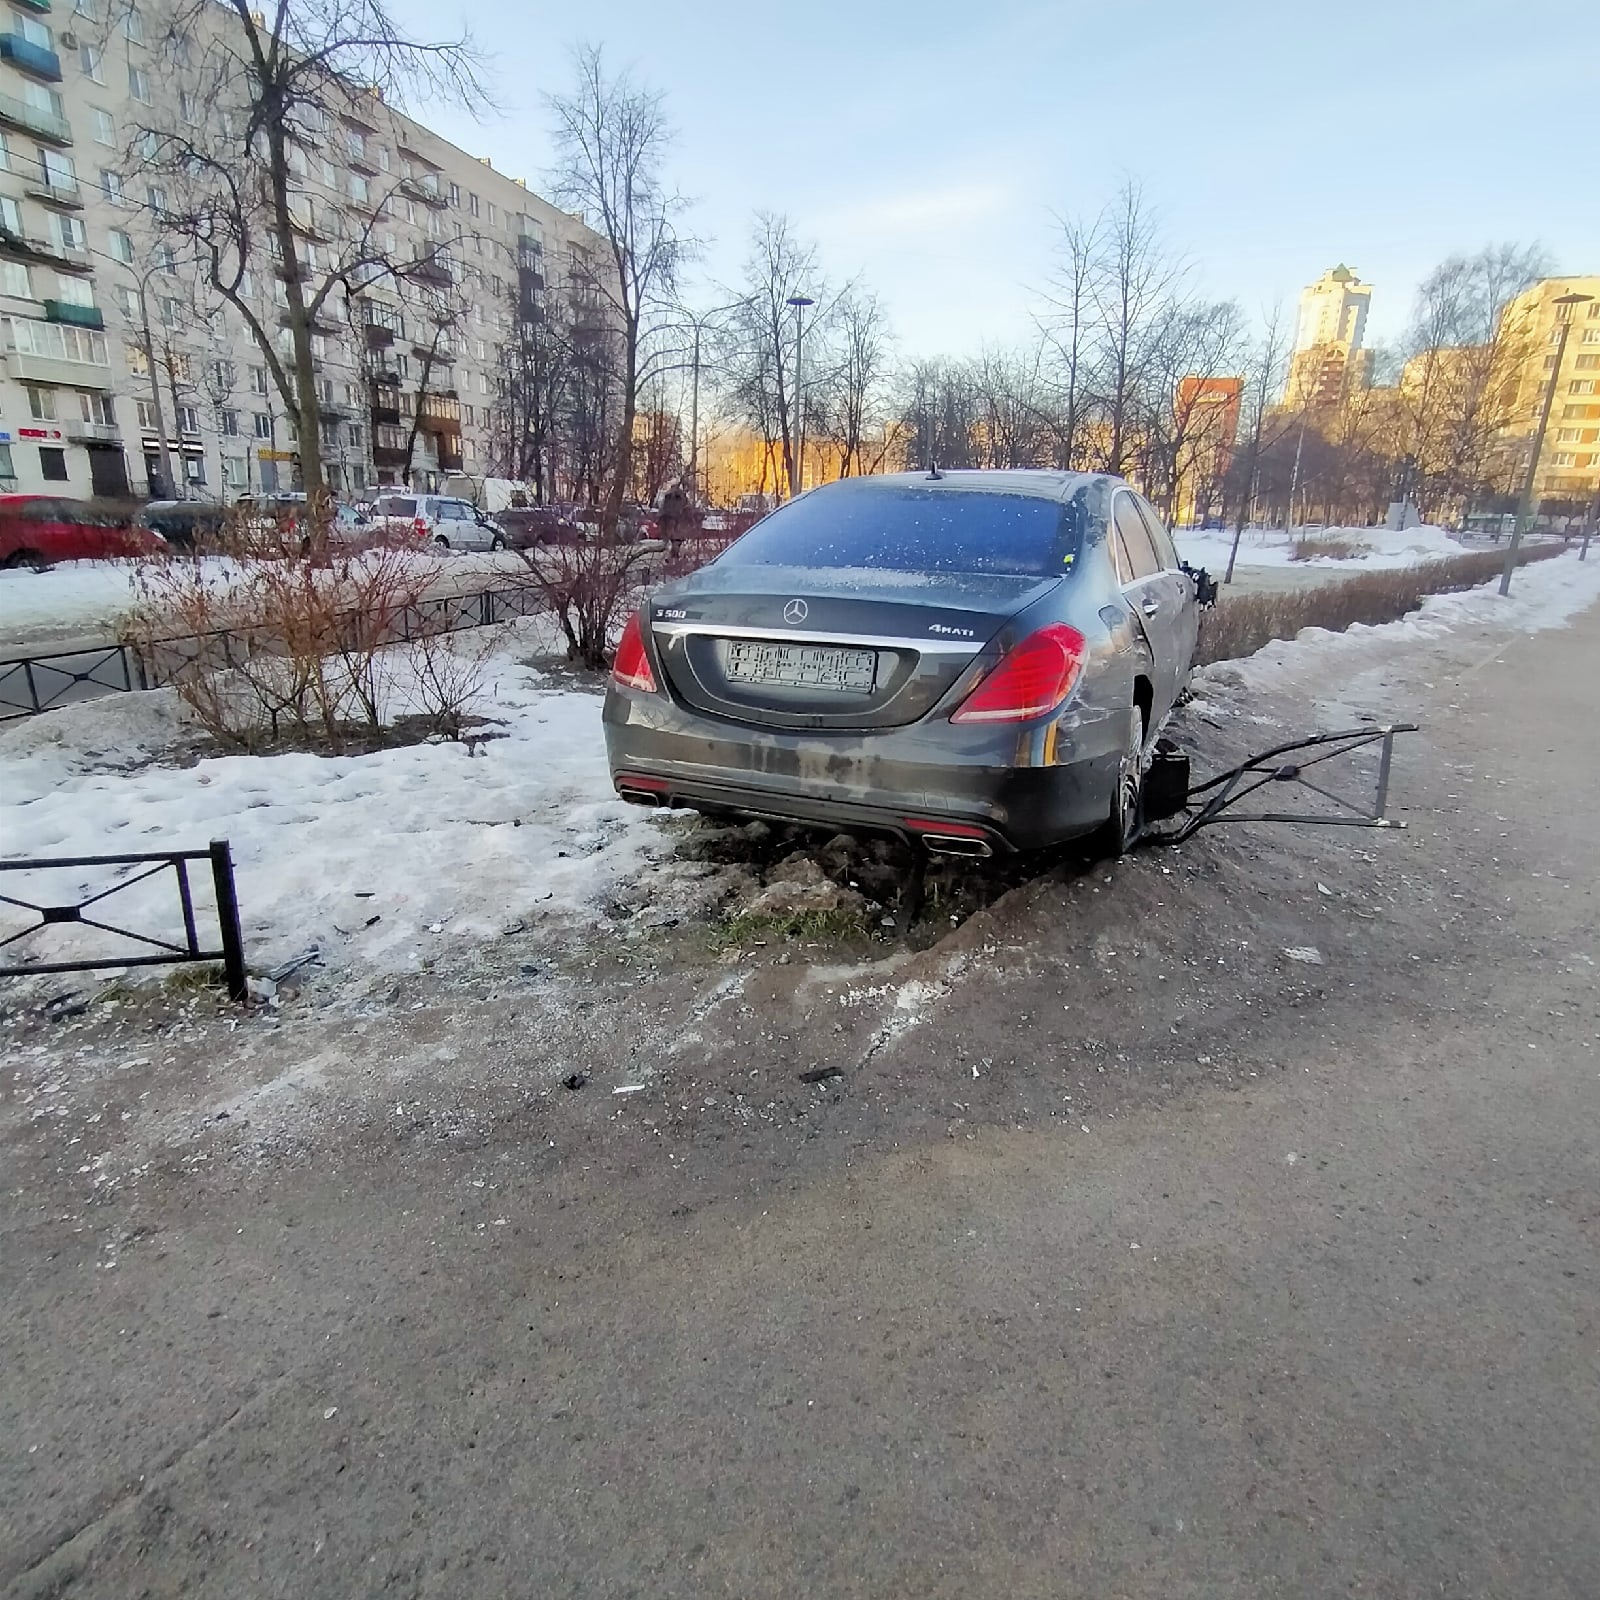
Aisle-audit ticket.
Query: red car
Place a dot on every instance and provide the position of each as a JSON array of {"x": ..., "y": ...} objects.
[{"x": 38, "y": 529}]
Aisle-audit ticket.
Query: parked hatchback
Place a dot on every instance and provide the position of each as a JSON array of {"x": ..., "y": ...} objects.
[
  {"x": 449, "y": 523},
  {"x": 39, "y": 529},
  {"x": 980, "y": 660}
]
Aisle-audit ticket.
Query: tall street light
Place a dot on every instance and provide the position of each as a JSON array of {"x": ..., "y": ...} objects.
[
  {"x": 797, "y": 478},
  {"x": 1525, "y": 506}
]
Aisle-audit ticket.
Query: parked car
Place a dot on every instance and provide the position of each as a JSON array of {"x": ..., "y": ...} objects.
[
  {"x": 38, "y": 529},
  {"x": 184, "y": 524},
  {"x": 527, "y": 526},
  {"x": 450, "y": 523},
  {"x": 276, "y": 523},
  {"x": 976, "y": 659}
]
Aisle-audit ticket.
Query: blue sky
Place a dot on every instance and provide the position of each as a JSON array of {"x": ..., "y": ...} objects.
[{"x": 925, "y": 146}]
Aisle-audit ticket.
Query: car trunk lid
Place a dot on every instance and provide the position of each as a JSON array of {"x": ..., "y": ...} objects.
[{"x": 779, "y": 647}]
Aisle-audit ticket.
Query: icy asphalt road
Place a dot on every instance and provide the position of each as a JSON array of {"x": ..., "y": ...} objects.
[{"x": 1311, "y": 1308}]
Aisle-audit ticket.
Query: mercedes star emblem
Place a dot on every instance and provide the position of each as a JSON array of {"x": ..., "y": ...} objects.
[{"x": 795, "y": 611}]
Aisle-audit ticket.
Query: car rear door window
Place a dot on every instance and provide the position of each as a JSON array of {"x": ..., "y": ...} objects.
[
  {"x": 1159, "y": 537},
  {"x": 1136, "y": 539},
  {"x": 903, "y": 528},
  {"x": 397, "y": 506}
]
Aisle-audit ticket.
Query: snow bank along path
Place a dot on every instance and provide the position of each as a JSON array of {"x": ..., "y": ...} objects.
[
  {"x": 1379, "y": 548},
  {"x": 439, "y": 845},
  {"x": 383, "y": 858}
]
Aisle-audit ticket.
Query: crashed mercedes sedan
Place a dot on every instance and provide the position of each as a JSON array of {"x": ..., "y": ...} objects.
[{"x": 979, "y": 660}]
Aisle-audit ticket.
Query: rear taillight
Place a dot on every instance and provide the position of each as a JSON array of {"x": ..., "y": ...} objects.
[
  {"x": 1032, "y": 679},
  {"x": 631, "y": 666}
]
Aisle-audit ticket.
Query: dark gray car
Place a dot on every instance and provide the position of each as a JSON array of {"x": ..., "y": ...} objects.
[{"x": 976, "y": 659}]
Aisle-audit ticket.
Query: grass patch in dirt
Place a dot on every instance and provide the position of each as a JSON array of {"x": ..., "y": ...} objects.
[
  {"x": 842, "y": 926},
  {"x": 1238, "y": 625}
]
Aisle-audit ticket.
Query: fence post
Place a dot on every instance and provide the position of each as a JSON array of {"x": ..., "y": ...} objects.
[{"x": 228, "y": 919}]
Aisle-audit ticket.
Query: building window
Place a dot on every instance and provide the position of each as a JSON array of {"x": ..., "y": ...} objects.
[
  {"x": 258, "y": 380},
  {"x": 104, "y": 126},
  {"x": 235, "y": 474},
  {"x": 188, "y": 419},
  {"x": 138, "y": 361},
  {"x": 360, "y": 190},
  {"x": 1562, "y": 458},
  {"x": 74, "y": 291},
  {"x": 1590, "y": 336},
  {"x": 14, "y": 280},
  {"x": 127, "y": 301},
  {"x": 147, "y": 416},
  {"x": 354, "y": 436},
  {"x": 133, "y": 25},
  {"x": 222, "y": 376},
  {"x": 263, "y": 425},
  {"x": 455, "y": 195},
  {"x": 92, "y": 62},
  {"x": 111, "y": 185},
  {"x": 6, "y": 468},
  {"x": 1581, "y": 386},
  {"x": 52, "y": 464},
  {"x": 139, "y": 84},
  {"x": 121, "y": 246},
  {"x": 68, "y": 232},
  {"x": 472, "y": 204},
  {"x": 194, "y": 469},
  {"x": 171, "y": 310},
  {"x": 230, "y": 423},
  {"x": 1587, "y": 363},
  {"x": 41, "y": 404},
  {"x": 1567, "y": 435},
  {"x": 188, "y": 108}
]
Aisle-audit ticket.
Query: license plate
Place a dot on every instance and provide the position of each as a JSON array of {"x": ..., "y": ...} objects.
[{"x": 803, "y": 666}]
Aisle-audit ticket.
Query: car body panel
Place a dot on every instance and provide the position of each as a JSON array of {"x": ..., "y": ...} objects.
[
  {"x": 49, "y": 528},
  {"x": 891, "y": 757}
]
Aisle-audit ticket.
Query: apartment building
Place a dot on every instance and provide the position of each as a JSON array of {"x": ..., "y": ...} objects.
[
  {"x": 94, "y": 282},
  {"x": 1329, "y": 359},
  {"x": 1569, "y": 464}
]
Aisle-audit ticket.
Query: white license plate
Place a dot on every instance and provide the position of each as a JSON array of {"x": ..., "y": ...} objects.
[{"x": 802, "y": 666}]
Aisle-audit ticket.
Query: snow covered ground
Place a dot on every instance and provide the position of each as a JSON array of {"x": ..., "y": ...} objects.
[
  {"x": 390, "y": 859},
  {"x": 383, "y": 859},
  {"x": 1273, "y": 547}
]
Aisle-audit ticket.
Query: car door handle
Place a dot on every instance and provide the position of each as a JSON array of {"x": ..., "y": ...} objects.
[{"x": 1151, "y": 608}]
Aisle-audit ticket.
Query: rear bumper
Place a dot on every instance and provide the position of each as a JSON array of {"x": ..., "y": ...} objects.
[{"x": 1013, "y": 789}]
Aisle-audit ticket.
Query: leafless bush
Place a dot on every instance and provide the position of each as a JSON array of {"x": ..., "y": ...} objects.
[
  {"x": 286, "y": 635},
  {"x": 585, "y": 586},
  {"x": 1312, "y": 549},
  {"x": 1240, "y": 624}
]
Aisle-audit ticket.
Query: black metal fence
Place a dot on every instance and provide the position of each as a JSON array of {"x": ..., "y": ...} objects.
[
  {"x": 230, "y": 942},
  {"x": 31, "y": 684}
]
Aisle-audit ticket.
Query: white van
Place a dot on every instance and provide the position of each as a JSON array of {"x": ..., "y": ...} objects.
[{"x": 450, "y": 523}]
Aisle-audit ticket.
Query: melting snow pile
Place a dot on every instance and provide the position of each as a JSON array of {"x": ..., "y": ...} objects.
[
  {"x": 387, "y": 857},
  {"x": 1376, "y": 548}
]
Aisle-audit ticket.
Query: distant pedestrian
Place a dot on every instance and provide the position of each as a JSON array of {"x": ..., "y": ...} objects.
[{"x": 677, "y": 515}]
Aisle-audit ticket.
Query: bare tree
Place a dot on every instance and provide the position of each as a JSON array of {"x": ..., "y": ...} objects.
[
  {"x": 612, "y": 138},
  {"x": 847, "y": 399},
  {"x": 1264, "y": 374},
  {"x": 231, "y": 185},
  {"x": 1066, "y": 327}
]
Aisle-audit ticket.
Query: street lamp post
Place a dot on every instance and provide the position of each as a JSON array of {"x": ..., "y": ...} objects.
[
  {"x": 1525, "y": 504},
  {"x": 797, "y": 478}
]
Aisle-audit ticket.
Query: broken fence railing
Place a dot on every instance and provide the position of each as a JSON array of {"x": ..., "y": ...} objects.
[
  {"x": 229, "y": 948},
  {"x": 1217, "y": 799}
]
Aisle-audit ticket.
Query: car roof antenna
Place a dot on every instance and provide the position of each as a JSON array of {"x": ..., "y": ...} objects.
[{"x": 933, "y": 470}]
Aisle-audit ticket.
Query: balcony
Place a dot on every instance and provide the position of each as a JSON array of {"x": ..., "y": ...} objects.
[
  {"x": 26, "y": 367},
  {"x": 450, "y": 458},
  {"x": 30, "y": 58},
  {"x": 388, "y": 455},
  {"x": 441, "y": 414},
  {"x": 57, "y": 254},
  {"x": 424, "y": 190},
  {"x": 432, "y": 269},
  {"x": 47, "y": 125},
  {"x": 79, "y": 316},
  {"x": 385, "y": 406},
  {"x": 92, "y": 432},
  {"x": 379, "y": 337},
  {"x": 41, "y": 7},
  {"x": 55, "y": 189}
]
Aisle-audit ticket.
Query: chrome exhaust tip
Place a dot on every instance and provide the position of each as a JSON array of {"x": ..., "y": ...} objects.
[
  {"x": 641, "y": 797},
  {"x": 951, "y": 844}
]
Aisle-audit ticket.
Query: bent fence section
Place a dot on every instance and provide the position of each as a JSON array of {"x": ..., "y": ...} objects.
[{"x": 149, "y": 949}]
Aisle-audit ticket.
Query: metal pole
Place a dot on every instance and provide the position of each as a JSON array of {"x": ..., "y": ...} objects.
[
  {"x": 694, "y": 418},
  {"x": 228, "y": 920},
  {"x": 164, "y": 450},
  {"x": 1525, "y": 503},
  {"x": 1589, "y": 526},
  {"x": 799, "y": 480}
]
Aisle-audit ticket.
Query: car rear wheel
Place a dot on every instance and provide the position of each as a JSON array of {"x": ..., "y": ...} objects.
[
  {"x": 442, "y": 542},
  {"x": 1123, "y": 825},
  {"x": 25, "y": 558},
  {"x": 497, "y": 543}
]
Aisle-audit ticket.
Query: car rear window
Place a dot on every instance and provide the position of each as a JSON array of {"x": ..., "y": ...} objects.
[
  {"x": 907, "y": 529},
  {"x": 397, "y": 506}
]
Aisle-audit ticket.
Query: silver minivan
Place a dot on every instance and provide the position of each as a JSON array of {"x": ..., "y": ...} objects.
[{"x": 449, "y": 523}]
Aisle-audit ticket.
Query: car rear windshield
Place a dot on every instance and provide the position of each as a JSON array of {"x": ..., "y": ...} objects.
[
  {"x": 394, "y": 506},
  {"x": 907, "y": 529}
]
